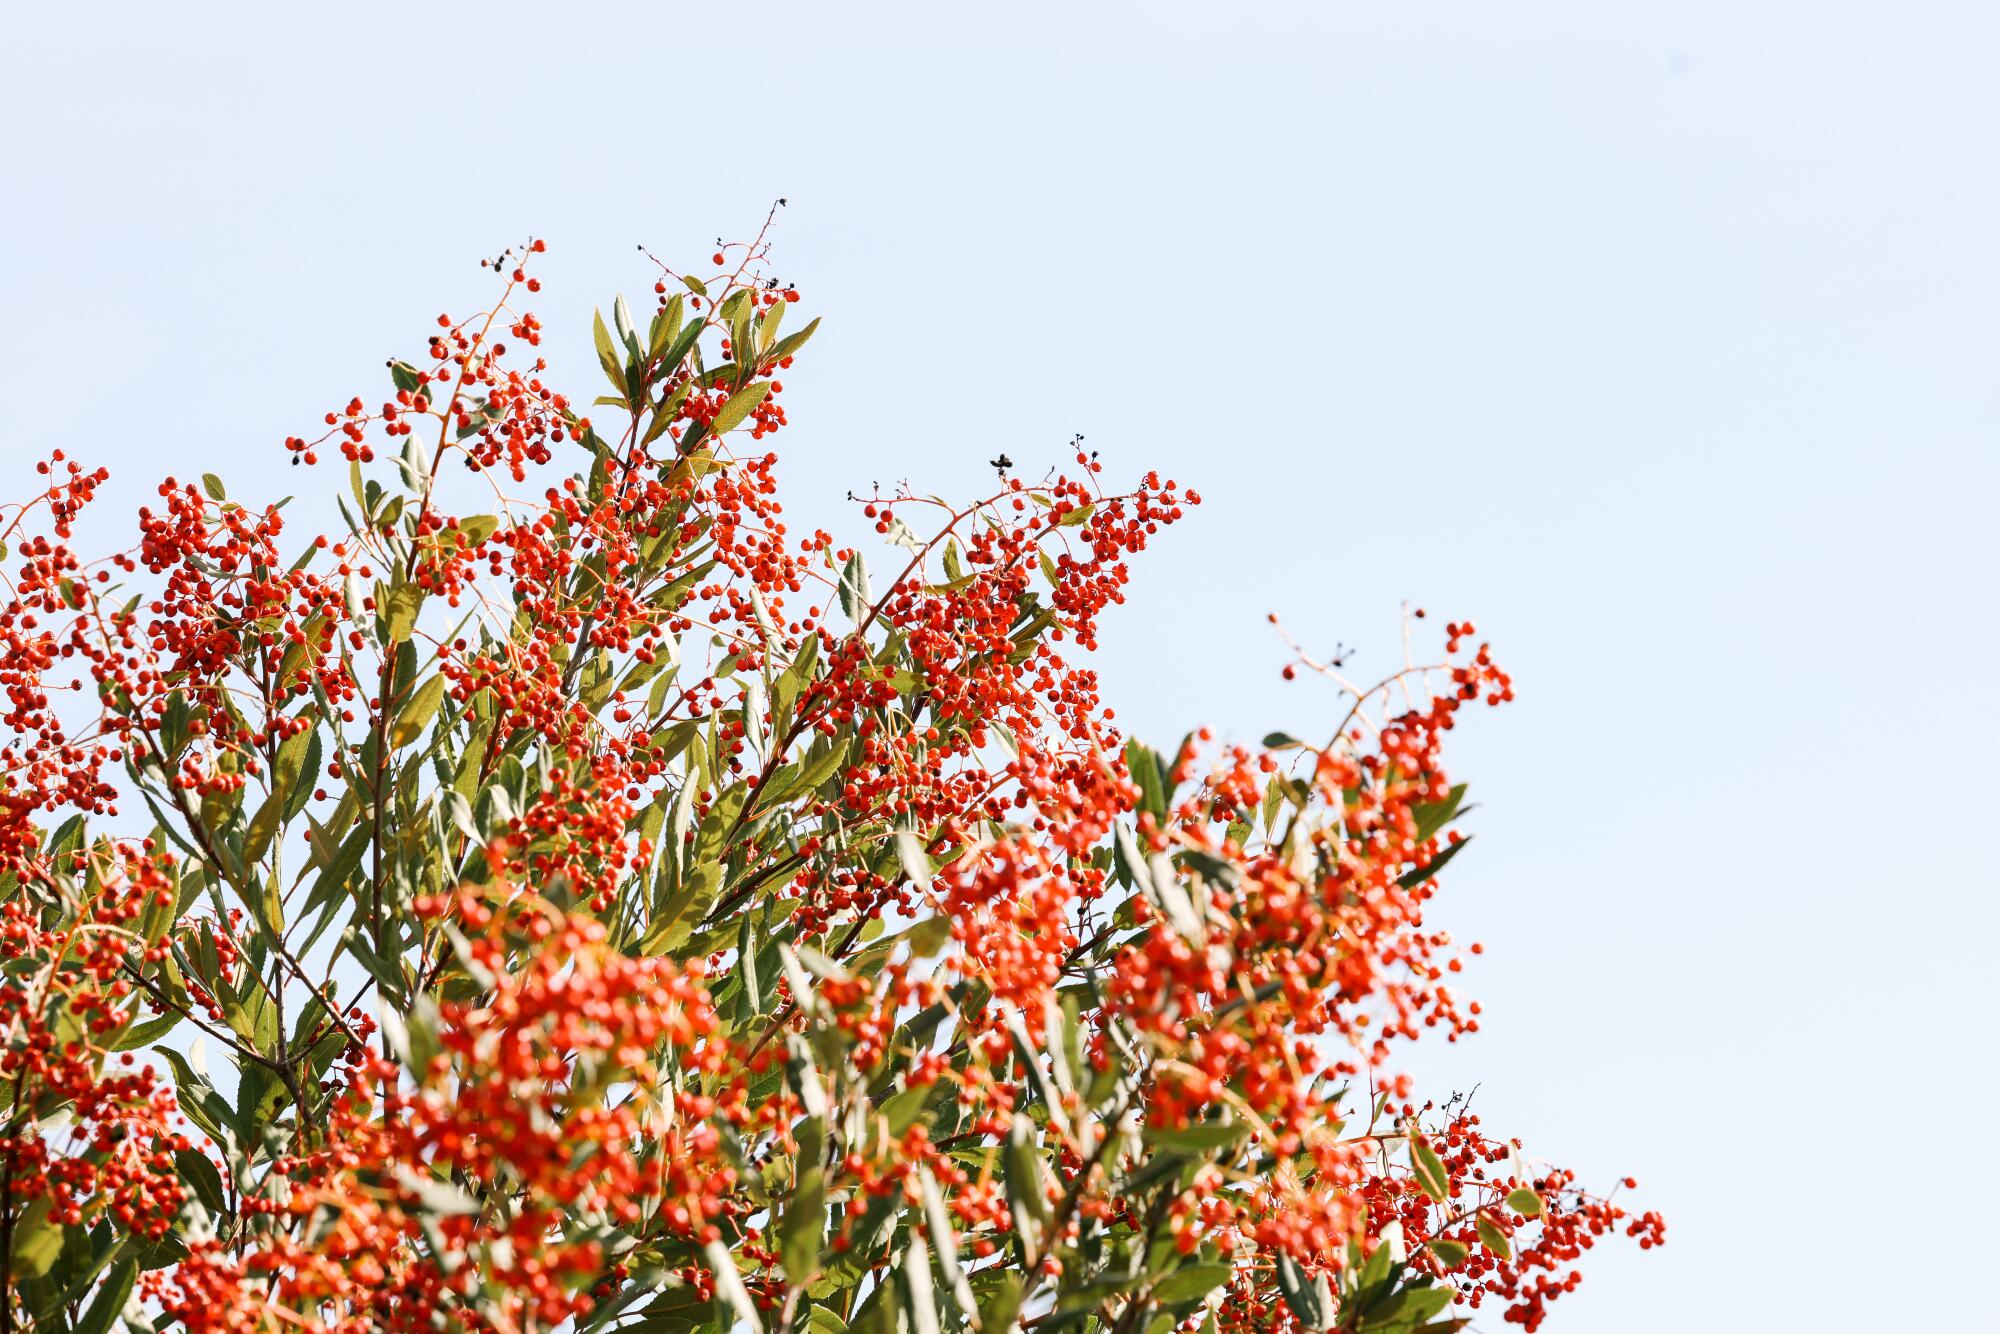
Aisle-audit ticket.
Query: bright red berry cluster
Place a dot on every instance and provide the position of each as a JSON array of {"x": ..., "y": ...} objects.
[{"x": 614, "y": 905}]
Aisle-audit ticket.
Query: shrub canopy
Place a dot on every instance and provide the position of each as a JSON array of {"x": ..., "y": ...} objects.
[{"x": 567, "y": 897}]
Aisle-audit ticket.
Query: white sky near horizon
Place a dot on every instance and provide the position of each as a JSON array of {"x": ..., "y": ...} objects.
[{"x": 1660, "y": 338}]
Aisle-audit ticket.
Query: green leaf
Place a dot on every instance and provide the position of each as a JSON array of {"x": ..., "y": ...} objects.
[
  {"x": 676, "y": 921},
  {"x": 803, "y": 1227},
  {"x": 1525, "y": 1202},
  {"x": 479, "y": 418},
  {"x": 143, "y": 1034},
  {"x": 854, "y": 598},
  {"x": 1024, "y": 1171},
  {"x": 937, "y": 1221},
  {"x": 198, "y": 1098},
  {"x": 399, "y": 612},
  {"x": 305, "y": 769},
  {"x": 767, "y": 326},
  {"x": 337, "y": 865},
  {"x": 607, "y": 354},
  {"x": 929, "y": 936},
  {"x": 922, "y": 1301},
  {"x": 67, "y": 839},
  {"x": 476, "y": 528},
  {"x": 720, "y": 822},
  {"x": 200, "y": 1174},
  {"x": 1199, "y": 1137},
  {"x": 621, "y": 315},
  {"x": 1429, "y": 1169},
  {"x": 1190, "y": 1283},
  {"x": 750, "y": 1000},
  {"x": 37, "y": 1241},
  {"x": 435, "y": 1195},
  {"x": 729, "y": 1287},
  {"x": 666, "y": 324},
  {"x": 418, "y": 712},
  {"x": 1002, "y": 1303},
  {"x": 291, "y": 761},
  {"x": 791, "y": 343},
  {"x": 1377, "y": 1276},
  {"x": 916, "y": 862},
  {"x": 1152, "y": 773},
  {"x": 387, "y": 972},
  {"x": 740, "y": 405},
  {"x": 1306, "y": 1297},
  {"x": 213, "y": 485},
  {"x": 683, "y": 343},
  {"x": 902, "y": 1110},
  {"x": 822, "y": 765},
  {"x": 110, "y": 1299},
  {"x": 259, "y": 1095},
  {"x": 1412, "y": 878},
  {"x": 1451, "y": 1254},
  {"x": 1493, "y": 1236},
  {"x": 802, "y": 1073},
  {"x": 263, "y": 827},
  {"x": 1435, "y": 815},
  {"x": 1406, "y": 1308}
]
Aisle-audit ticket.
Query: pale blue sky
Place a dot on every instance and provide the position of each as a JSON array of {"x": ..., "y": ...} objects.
[{"x": 1659, "y": 337}]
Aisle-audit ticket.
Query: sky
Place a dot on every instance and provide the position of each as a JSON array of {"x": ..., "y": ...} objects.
[{"x": 1659, "y": 338}]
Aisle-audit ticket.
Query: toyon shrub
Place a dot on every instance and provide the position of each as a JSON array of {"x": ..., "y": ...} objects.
[{"x": 567, "y": 898}]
